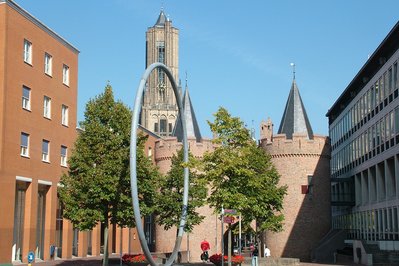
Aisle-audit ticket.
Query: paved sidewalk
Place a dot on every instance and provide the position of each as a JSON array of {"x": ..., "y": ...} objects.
[{"x": 114, "y": 261}]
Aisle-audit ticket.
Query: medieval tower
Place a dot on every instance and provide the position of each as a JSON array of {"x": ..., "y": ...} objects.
[
  {"x": 160, "y": 115},
  {"x": 159, "y": 108},
  {"x": 303, "y": 161}
]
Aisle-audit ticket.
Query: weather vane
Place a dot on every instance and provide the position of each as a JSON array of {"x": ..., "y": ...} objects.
[{"x": 293, "y": 69}]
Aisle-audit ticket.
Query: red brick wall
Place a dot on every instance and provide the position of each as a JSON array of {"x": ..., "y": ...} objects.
[
  {"x": 307, "y": 217},
  {"x": 210, "y": 228}
]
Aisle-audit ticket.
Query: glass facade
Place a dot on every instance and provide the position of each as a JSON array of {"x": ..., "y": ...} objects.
[{"x": 365, "y": 159}]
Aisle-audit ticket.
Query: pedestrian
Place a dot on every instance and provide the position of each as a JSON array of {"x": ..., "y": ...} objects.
[
  {"x": 205, "y": 247},
  {"x": 267, "y": 252},
  {"x": 254, "y": 255}
]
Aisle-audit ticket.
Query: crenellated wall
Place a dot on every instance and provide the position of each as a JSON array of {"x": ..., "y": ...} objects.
[
  {"x": 167, "y": 147},
  {"x": 307, "y": 203},
  {"x": 299, "y": 145}
]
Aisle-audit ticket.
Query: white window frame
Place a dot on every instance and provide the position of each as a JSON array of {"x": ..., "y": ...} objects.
[
  {"x": 47, "y": 107},
  {"x": 48, "y": 64},
  {"x": 65, "y": 74},
  {"x": 64, "y": 156},
  {"x": 24, "y": 147},
  {"x": 26, "y": 100},
  {"x": 64, "y": 115},
  {"x": 45, "y": 153},
  {"x": 27, "y": 52}
]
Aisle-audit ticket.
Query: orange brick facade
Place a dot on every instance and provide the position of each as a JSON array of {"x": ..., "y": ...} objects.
[{"x": 28, "y": 178}]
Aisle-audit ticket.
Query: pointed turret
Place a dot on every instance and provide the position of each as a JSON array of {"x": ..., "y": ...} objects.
[
  {"x": 161, "y": 19},
  {"x": 295, "y": 119},
  {"x": 191, "y": 121}
]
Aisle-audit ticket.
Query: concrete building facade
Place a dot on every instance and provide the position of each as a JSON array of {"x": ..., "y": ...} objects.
[
  {"x": 302, "y": 160},
  {"x": 364, "y": 130},
  {"x": 38, "y": 95}
]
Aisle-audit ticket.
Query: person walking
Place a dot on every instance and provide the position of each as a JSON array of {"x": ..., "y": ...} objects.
[
  {"x": 254, "y": 255},
  {"x": 267, "y": 252},
  {"x": 205, "y": 247}
]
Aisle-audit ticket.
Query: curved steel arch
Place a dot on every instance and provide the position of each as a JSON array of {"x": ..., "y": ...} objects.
[{"x": 133, "y": 163}]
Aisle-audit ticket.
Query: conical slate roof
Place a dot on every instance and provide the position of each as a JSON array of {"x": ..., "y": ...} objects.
[
  {"x": 161, "y": 19},
  {"x": 191, "y": 121},
  {"x": 295, "y": 119}
]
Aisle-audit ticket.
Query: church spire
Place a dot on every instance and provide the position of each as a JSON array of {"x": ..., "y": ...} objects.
[
  {"x": 191, "y": 121},
  {"x": 295, "y": 119},
  {"x": 161, "y": 19}
]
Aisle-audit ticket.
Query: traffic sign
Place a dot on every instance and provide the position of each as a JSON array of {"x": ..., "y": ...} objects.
[
  {"x": 228, "y": 219},
  {"x": 31, "y": 256},
  {"x": 231, "y": 211}
]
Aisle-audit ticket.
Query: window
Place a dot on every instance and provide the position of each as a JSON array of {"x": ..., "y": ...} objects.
[
  {"x": 162, "y": 127},
  {"x": 25, "y": 144},
  {"x": 390, "y": 80},
  {"x": 48, "y": 64},
  {"x": 26, "y": 98},
  {"x": 47, "y": 107},
  {"x": 395, "y": 75},
  {"x": 397, "y": 120},
  {"x": 156, "y": 127},
  {"x": 64, "y": 151},
  {"x": 27, "y": 52},
  {"x": 45, "y": 150},
  {"x": 65, "y": 75},
  {"x": 161, "y": 59},
  {"x": 377, "y": 93},
  {"x": 310, "y": 184},
  {"x": 64, "y": 115}
]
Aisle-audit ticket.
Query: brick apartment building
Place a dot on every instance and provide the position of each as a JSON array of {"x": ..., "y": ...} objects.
[{"x": 38, "y": 94}]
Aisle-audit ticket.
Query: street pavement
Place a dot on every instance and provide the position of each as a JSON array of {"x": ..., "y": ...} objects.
[{"x": 114, "y": 261}]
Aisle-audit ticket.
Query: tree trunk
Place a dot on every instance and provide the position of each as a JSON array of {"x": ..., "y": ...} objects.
[{"x": 105, "y": 259}]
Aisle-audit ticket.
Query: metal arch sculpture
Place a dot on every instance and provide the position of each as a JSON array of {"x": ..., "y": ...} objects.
[{"x": 133, "y": 164}]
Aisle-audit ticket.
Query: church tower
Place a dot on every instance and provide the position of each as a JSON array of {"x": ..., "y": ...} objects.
[{"x": 159, "y": 107}]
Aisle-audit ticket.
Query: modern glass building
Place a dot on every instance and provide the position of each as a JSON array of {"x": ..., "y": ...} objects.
[{"x": 364, "y": 132}]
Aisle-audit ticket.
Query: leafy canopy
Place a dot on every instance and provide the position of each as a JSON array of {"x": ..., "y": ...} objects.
[
  {"x": 242, "y": 176},
  {"x": 97, "y": 186}
]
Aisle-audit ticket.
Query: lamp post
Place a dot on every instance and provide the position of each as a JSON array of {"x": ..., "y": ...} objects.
[
  {"x": 239, "y": 234},
  {"x": 222, "y": 239}
]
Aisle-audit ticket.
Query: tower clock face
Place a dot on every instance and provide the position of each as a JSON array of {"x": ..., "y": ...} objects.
[{"x": 161, "y": 86}]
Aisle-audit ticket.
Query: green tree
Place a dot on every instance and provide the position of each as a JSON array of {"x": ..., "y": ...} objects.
[
  {"x": 97, "y": 186},
  {"x": 242, "y": 176},
  {"x": 170, "y": 195}
]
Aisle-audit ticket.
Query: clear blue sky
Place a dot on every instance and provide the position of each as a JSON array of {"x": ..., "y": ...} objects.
[{"x": 237, "y": 53}]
